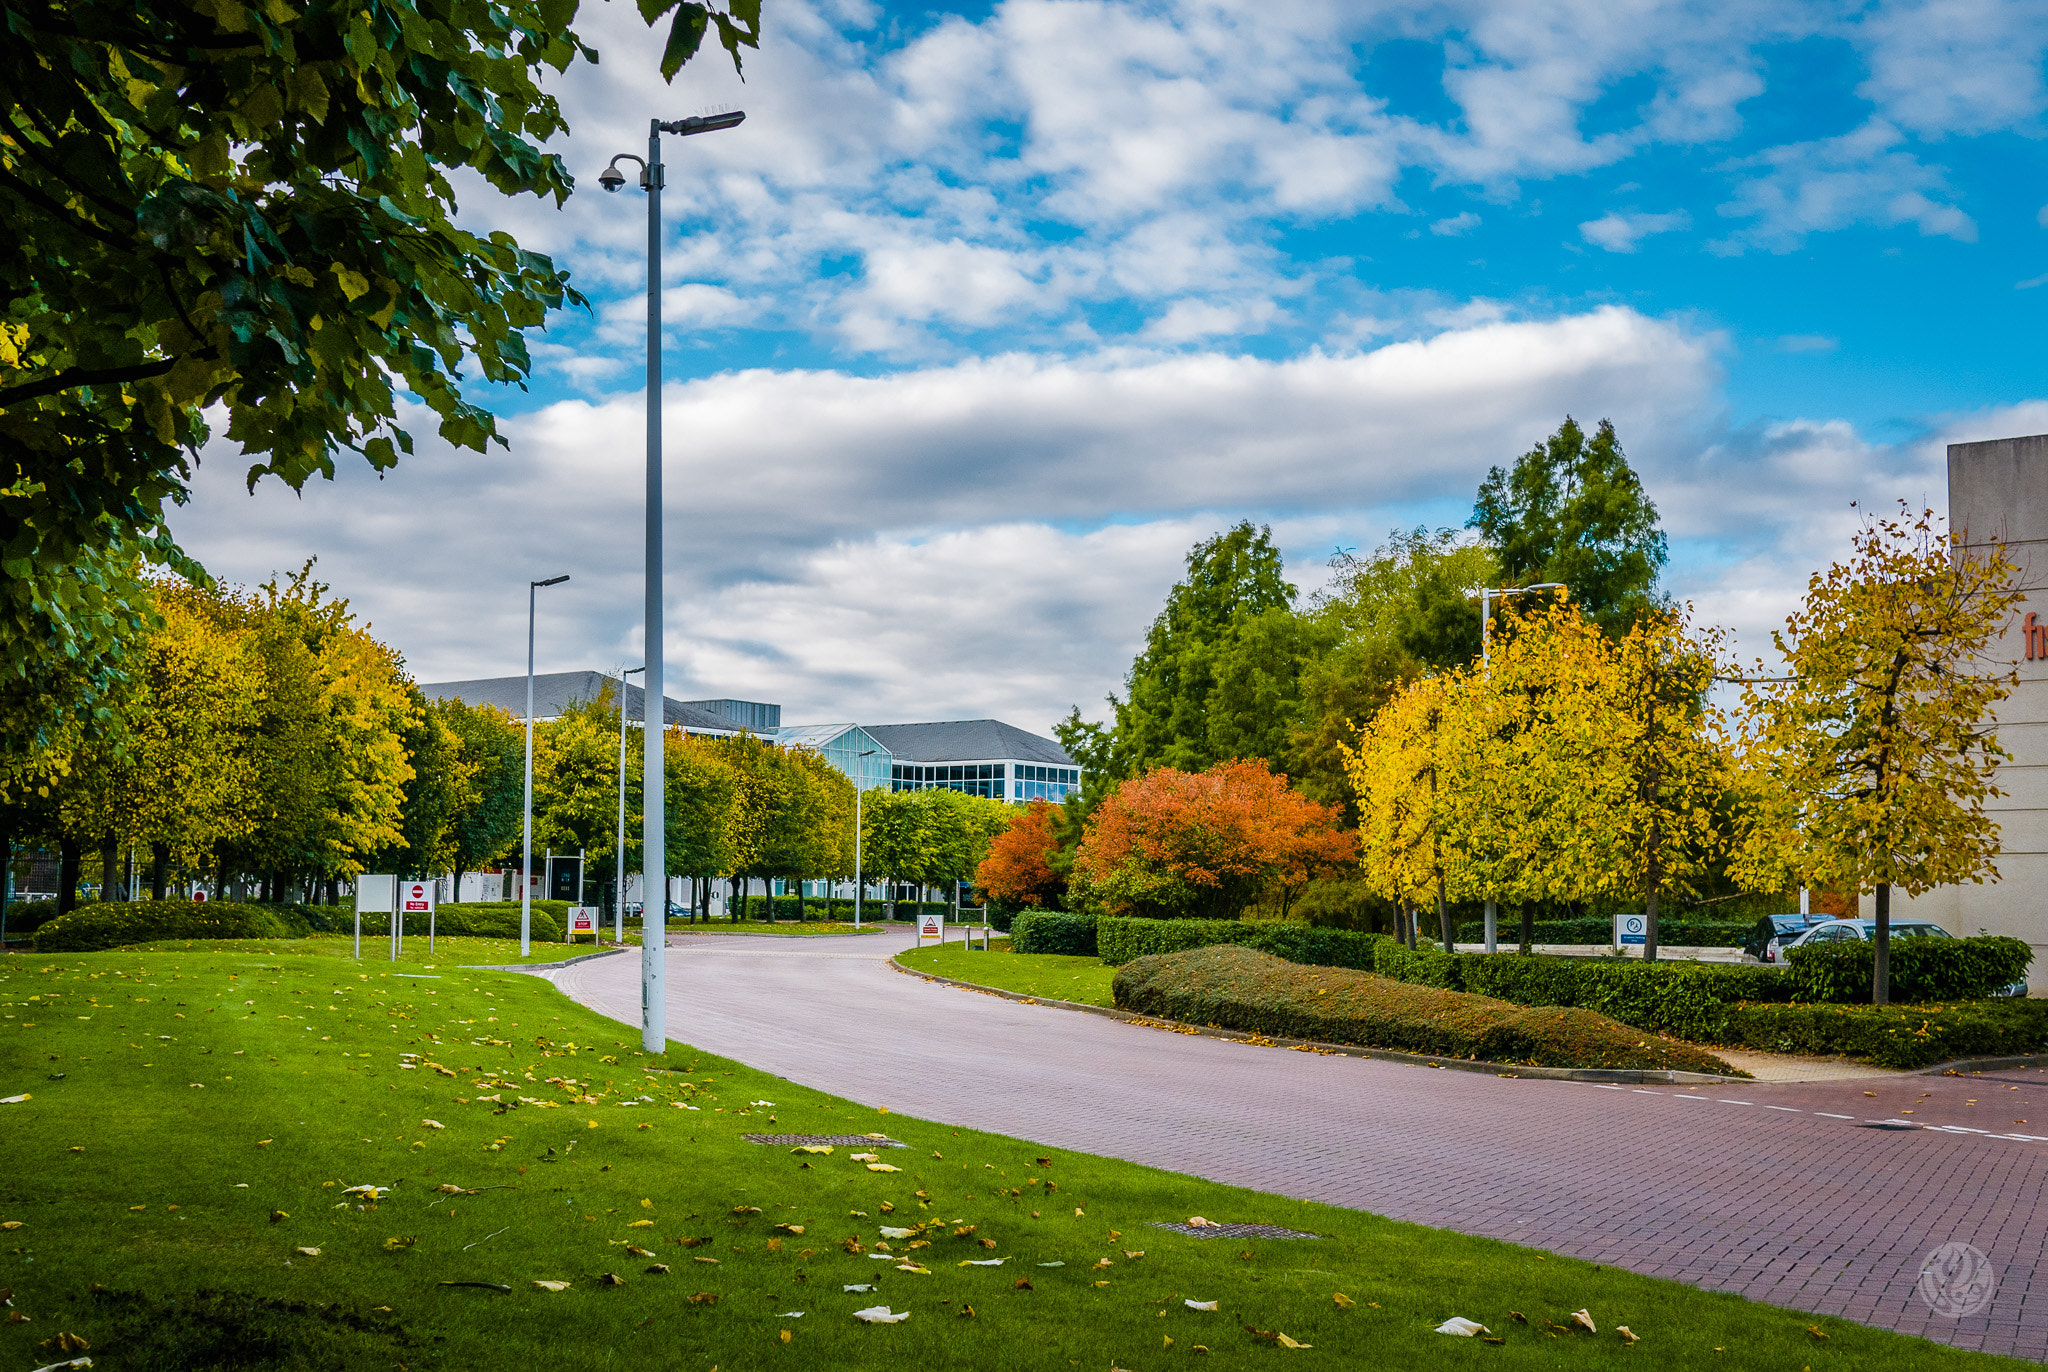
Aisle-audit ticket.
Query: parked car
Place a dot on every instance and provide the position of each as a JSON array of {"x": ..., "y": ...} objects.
[{"x": 1771, "y": 932}]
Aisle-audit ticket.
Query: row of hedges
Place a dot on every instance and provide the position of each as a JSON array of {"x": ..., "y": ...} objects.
[
  {"x": 112, "y": 924},
  {"x": 1898, "y": 1036},
  {"x": 1120, "y": 939},
  {"x": 1053, "y": 931},
  {"x": 1233, "y": 987},
  {"x": 1673, "y": 933},
  {"x": 1923, "y": 970}
]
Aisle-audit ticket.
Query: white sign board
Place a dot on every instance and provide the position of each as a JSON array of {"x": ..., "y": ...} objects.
[
  {"x": 582, "y": 920},
  {"x": 374, "y": 893},
  {"x": 931, "y": 929},
  {"x": 417, "y": 897},
  {"x": 1630, "y": 931}
]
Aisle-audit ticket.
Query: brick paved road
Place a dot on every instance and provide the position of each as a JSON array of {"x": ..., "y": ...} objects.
[{"x": 1750, "y": 1188}]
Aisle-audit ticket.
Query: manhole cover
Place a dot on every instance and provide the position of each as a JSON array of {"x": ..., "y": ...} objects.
[
  {"x": 1891, "y": 1124},
  {"x": 813, "y": 1140},
  {"x": 1235, "y": 1231}
]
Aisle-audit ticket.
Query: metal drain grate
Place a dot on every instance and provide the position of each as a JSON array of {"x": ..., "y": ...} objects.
[
  {"x": 1890, "y": 1124},
  {"x": 815, "y": 1140},
  {"x": 1235, "y": 1231}
]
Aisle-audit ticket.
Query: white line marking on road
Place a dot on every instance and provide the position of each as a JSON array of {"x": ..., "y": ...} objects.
[
  {"x": 1599, "y": 1087},
  {"x": 1829, "y": 1116},
  {"x": 1725, "y": 1101},
  {"x": 1641, "y": 1092},
  {"x": 1786, "y": 1108}
]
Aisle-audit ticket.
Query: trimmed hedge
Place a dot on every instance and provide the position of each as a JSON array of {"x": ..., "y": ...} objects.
[
  {"x": 1233, "y": 987},
  {"x": 112, "y": 924},
  {"x": 1899, "y": 1036},
  {"x": 1122, "y": 938},
  {"x": 482, "y": 919},
  {"x": 1923, "y": 969},
  {"x": 24, "y": 917},
  {"x": 1053, "y": 931},
  {"x": 1672, "y": 933}
]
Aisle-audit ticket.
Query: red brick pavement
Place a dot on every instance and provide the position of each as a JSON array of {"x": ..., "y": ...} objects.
[{"x": 1711, "y": 1186}]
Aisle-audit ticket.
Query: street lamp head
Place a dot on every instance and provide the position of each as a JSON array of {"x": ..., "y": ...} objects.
[
  {"x": 704, "y": 123},
  {"x": 1546, "y": 586},
  {"x": 552, "y": 581}
]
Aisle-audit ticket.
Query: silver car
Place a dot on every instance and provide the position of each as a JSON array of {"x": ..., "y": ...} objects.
[{"x": 1866, "y": 929}]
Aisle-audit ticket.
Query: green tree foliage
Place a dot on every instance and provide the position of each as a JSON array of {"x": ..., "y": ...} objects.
[
  {"x": 1573, "y": 510},
  {"x": 241, "y": 205},
  {"x": 700, "y": 801},
  {"x": 576, "y": 781},
  {"x": 442, "y": 789},
  {"x": 494, "y": 744}
]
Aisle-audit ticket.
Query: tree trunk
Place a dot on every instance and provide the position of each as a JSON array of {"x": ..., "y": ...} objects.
[
  {"x": 159, "y": 869},
  {"x": 1881, "y": 964},
  {"x": 1528, "y": 926},
  {"x": 799, "y": 900},
  {"x": 67, "y": 875},
  {"x": 1443, "y": 917},
  {"x": 110, "y": 869}
]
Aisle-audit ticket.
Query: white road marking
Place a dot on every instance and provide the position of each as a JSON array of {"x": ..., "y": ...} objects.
[
  {"x": 1725, "y": 1101},
  {"x": 1828, "y": 1116},
  {"x": 1786, "y": 1108}
]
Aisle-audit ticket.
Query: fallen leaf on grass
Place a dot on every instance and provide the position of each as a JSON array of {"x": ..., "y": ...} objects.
[
  {"x": 11, "y": 1224},
  {"x": 789, "y": 1229},
  {"x": 746, "y": 1210},
  {"x": 1462, "y": 1327},
  {"x": 880, "y": 1314},
  {"x": 659, "y": 1269},
  {"x": 1518, "y": 1317},
  {"x": 275, "y": 1215},
  {"x": 1815, "y": 1330},
  {"x": 637, "y": 1251},
  {"x": 309, "y": 1252},
  {"x": 641, "y": 1224},
  {"x": 704, "y": 1298},
  {"x": 815, "y": 1149},
  {"x": 966, "y": 1312},
  {"x": 1274, "y": 1336},
  {"x": 1138, "y": 1254},
  {"x": 1101, "y": 1263},
  {"x": 865, "y": 1157},
  {"x": 432, "y": 1124},
  {"x": 552, "y": 1285},
  {"x": 861, "y": 1286},
  {"x": 710, "y": 1262},
  {"x": 66, "y": 1343},
  {"x": 611, "y": 1279},
  {"x": 398, "y": 1244},
  {"x": 1023, "y": 1284},
  {"x": 1584, "y": 1321},
  {"x": 15, "y": 1100},
  {"x": 891, "y": 1231},
  {"x": 882, "y": 1167},
  {"x": 983, "y": 1262},
  {"x": 1197, "y": 1222},
  {"x": 1199, "y": 1305},
  {"x": 1627, "y": 1334},
  {"x": 1344, "y": 1302}
]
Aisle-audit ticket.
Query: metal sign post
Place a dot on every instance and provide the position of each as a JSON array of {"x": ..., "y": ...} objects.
[
  {"x": 375, "y": 894},
  {"x": 415, "y": 898}
]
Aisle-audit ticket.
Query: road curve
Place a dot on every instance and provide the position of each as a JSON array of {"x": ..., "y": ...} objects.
[{"x": 1788, "y": 1194}]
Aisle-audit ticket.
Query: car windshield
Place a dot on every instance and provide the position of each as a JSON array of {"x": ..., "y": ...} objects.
[{"x": 1920, "y": 931}]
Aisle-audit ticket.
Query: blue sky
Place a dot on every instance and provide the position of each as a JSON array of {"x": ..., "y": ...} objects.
[{"x": 985, "y": 314}]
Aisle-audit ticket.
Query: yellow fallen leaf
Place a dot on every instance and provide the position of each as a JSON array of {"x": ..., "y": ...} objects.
[
  {"x": 641, "y": 1224},
  {"x": 637, "y": 1251},
  {"x": 398, "y": 1244},
  {"x": 432, "y": 1124},
  {"x": 1627, "y": 1335},
  {"x": 1286, "y": 1342},
  {"x": 67, "y": 1343},
  {"x": 789, "y": 1229},
  {"x": 310, "y": 1252},
  {"x": 1344, "y": 1302},
  {"x": 815, "y": 1149},
  {"x": 1815, "y": 1329},
  {"x": 1584, "y": 1321},
  {"x": 275, "y": 1215},
  {"x": 611, "y": 1279},
  {"x": 11, "y": 1224},
  {"x": 882, "y": 1167},
  {"x": 659, "y": 1269},
  {"x": 711, "y": 1262},
  {"x": 1129, "y": 1254},
  {"x": 1079, "y": 1211},
  {"x": 746, "y": 1210},
  {"x": 552, "y": 1285},
  {"x": 646, "y": 1204},
  {"x": 1102, "y": 1263},
  {"x": 785, "y": 1336}
]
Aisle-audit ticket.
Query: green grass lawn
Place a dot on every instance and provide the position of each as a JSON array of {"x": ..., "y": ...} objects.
[
  {"x": 446, "y": 950},
  {"x": 185, "y": 1191},
  {"x": 1054, "y": 976}
]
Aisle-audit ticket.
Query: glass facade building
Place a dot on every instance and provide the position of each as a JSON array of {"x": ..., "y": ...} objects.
[
  {"x": 1044, "y": 783},
  {"x": 847, "y": 747}
]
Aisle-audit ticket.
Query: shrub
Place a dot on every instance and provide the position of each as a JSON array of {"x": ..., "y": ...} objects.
[
  {"x": 1051, "y": 931},
  {"x": 1674, "y": 933},
  {"x": 1120, "y": 939},
  {"x": 483, "y": 919},
  {"x": 1234, "y": 987},
  {"x": 1923, "y": 969},
  {"x": 111, "y": 924},
  {"x": 1898, "y": 1036},
  {"x": 27, "y": 916}
]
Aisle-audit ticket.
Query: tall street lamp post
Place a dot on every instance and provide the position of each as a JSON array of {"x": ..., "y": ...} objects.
[
  {"x": 654, "y": 860},
  {"x": 1487, "y": 595},
  {"x": 526, "y": 847},
  {"x": 619, "y": 880},
  {"x": 856, "y": 847}
]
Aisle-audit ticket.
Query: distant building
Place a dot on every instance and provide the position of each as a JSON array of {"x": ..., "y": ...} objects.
[
  {"x": 1998, "y": 493},
  {"x": 848, "y": 747},
  {"x": 982, "y": 757},
  {"x": 554, "y": 692}
]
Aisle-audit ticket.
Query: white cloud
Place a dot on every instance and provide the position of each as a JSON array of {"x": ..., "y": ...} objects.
[
  {"x": 1861, "y": 177},
  {"x": 1943, "y": 67},
  {"x": 1619, "y": 232},
  {"x": 1456, "y": 226}
]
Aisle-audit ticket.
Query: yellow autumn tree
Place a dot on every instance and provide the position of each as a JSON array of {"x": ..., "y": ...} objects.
[
  {"x": 1396, "y": 769},
  {"x": 1873, "y": 759}
]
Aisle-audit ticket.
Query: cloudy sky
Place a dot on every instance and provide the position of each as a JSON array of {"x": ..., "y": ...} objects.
[{"x": 986, "y": 314}]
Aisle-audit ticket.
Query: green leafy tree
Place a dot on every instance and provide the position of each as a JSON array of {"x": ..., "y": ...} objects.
[
  {"x": 897, "y": 839},
  {"x": 245, "y": 206},
  {"x": 576, "y": 782},
  {"x": 485, "y": 827},
  {"x": 1573, "y": 510},
  {"x": 443, "y": 787}
]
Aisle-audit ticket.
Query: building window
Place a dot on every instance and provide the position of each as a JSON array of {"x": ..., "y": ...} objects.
[{"x": 974, "y": 778}]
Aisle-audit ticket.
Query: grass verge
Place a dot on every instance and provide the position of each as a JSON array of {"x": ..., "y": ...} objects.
[
  {"x": 1055, "y": 976},
  {"x": 190, "y": 1164}
]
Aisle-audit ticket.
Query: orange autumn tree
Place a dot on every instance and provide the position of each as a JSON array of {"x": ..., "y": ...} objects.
[
  {"x": 1203, "y": 845},
  {"x": 1018, "y": 869}
]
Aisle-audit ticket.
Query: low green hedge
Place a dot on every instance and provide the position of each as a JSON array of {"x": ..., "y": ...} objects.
[
  {"x": 483, "y": 919},
  {"x": 1922, "y": 969},
  {"x": 1599, "y": 931},
  {"x": 24, "y": 917},
  {"x": 1053, "y": 931},
  {"x": 1122, "y": 938},
  {"x": 113, "y": 924},
  {"x": 1233, "y": 987},
  {"x": 1898, "y": 1036}
]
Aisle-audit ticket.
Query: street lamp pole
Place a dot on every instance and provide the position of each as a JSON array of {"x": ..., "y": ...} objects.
[
  {"x": 1486, "y": 597},
  {"x": 654, "y": 858},
  {"x": 856, "y": 847},
  {"x": 526, "y": 848},
  {"x": 619, "y": 879}
]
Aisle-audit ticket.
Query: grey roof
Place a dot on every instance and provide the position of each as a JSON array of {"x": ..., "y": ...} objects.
[
  {"x": 555, "y": 691},
  {"x": 967, "y": 740}
]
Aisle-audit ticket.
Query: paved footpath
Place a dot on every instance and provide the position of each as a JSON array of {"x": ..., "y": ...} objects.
[{"x": 1791, "y": 1194}]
